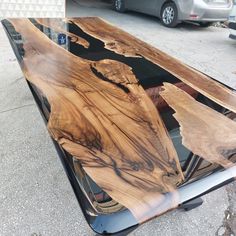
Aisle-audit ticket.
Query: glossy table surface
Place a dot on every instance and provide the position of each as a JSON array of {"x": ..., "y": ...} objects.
[{"x": 116, "y": 104}]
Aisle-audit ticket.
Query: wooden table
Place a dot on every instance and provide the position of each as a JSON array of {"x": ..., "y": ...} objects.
[{"x": 107, "y": 94}]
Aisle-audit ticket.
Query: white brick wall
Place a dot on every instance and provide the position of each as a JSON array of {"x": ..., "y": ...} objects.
[{"x": 32, "y": 8}]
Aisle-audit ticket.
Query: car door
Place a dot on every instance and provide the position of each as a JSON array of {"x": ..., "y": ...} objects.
[{"x": 148, "y": 7}]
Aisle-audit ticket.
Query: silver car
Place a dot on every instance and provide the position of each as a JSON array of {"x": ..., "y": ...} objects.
[
  {"x": 173, "y": 12},
  {"x": 232, "y": 22}
]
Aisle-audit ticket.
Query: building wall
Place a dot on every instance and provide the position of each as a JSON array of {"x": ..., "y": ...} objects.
[{"x": 32, "y": 8}]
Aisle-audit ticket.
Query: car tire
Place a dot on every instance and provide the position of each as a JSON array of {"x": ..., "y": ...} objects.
[
  {"x": 169, "y": 15},
  {"x": 205, "y": 24},
  {"x": 119, "y": 5}
]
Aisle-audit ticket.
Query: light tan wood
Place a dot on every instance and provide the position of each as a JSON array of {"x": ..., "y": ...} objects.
[
  {"x": 204, "y": 131},
  {"x": 159, "y": 102}
]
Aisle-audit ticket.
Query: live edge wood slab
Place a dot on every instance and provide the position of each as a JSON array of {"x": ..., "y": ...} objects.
[{"x": 102, "y": 112}]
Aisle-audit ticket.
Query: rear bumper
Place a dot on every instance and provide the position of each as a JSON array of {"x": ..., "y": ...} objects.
[
  {"x": 233, "y": 36},
  {"x": 200, "y": 11},
  {"x": 232, "y": 26}
]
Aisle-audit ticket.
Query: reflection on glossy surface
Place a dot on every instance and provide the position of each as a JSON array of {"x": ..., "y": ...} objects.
[{"x": 121, "y": 144}]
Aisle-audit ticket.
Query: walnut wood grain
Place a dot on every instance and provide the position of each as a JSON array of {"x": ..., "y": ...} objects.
[
  {"x": 204, "y": 131},
  {"x": 123, "y": 43},
  {"x": 103, "y": 117}
]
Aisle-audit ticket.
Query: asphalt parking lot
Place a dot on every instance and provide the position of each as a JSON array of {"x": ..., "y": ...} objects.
[{"x": 35, "y": 195}]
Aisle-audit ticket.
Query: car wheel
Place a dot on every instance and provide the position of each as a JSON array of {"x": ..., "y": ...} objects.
[
  {"x": 205, "y": 24},
  {"x": 119, "y": 5},
  {"x": 169, "y": 15}
]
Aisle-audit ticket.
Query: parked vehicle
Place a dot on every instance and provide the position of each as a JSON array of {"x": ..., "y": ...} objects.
[
  {"x": 232, "y": 22},
  {"x": 173, "y": 12}
]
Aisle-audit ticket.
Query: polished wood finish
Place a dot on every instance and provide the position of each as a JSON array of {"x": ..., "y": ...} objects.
[
  {"x": 126, "y": 44},
  {"x": 58, "y": 26},
  {"x": 116, "y": 133},
  {"x": 102, "y": 116},
  {"x": 205, "y": 132}
]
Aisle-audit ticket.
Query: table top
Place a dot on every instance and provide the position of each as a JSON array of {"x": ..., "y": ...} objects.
[{"x": 118, "y": 104}]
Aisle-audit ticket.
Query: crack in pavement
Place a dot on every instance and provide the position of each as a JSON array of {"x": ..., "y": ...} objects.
[
  {"x": 16, "y": 108},
  {"x": 228, "y": 227}
]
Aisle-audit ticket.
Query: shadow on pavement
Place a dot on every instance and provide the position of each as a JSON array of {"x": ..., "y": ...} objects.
[{"x": 93, "y": 3}]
